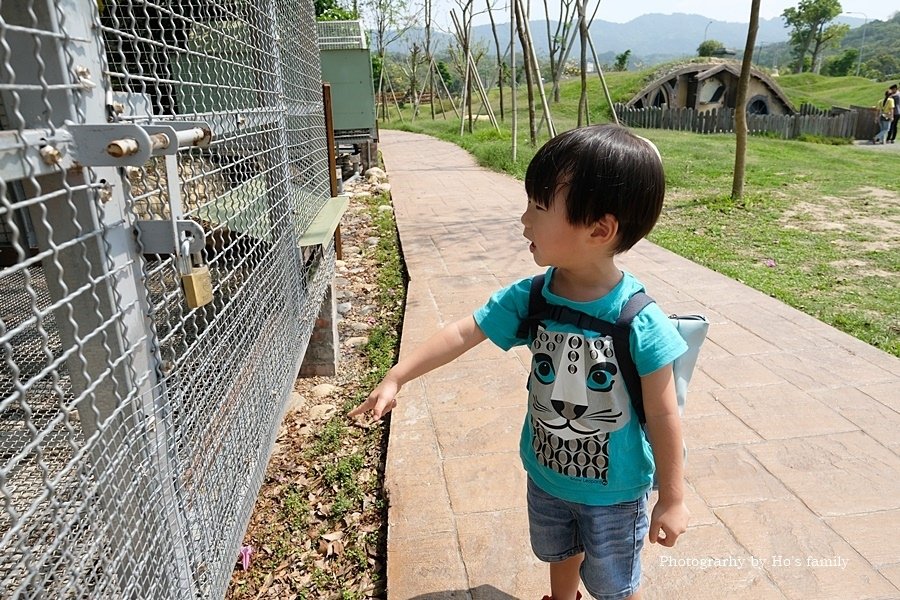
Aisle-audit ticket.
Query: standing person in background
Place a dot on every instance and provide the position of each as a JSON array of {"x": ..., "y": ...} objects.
[
  {"x": 885, "y": 117},
  {"x": 892, "y": 132}
]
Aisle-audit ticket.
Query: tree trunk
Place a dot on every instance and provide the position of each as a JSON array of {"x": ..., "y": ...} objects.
[
  {"x": 583, "y": 118},
  {"x": 499, "y": 57},
  {"x": 526, "y": 65},
  {"x": 428, "y": 56},
  {"x": 740, "y": 108}
]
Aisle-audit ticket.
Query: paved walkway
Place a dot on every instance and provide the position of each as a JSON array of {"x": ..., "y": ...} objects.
[{"x": 793, "y": 427}]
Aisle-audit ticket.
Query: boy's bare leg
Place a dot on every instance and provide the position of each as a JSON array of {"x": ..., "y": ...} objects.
[{"x": 564, "y": 577}]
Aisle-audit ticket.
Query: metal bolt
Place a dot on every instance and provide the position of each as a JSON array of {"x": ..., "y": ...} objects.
[
  {"x": 118, "y": 108},
  {"x": 83, "y": 71},
  {"x": 123, "y": 147},
  {"x": 51, "y": 155}
]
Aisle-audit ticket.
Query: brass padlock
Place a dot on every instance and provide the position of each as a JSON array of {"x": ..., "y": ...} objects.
[
  {"x": 196, "y": 280},
  {"x": 197, "y": 286}
]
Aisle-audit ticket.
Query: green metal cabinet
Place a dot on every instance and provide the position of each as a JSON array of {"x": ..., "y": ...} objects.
[{"x": 347, "y": 66}]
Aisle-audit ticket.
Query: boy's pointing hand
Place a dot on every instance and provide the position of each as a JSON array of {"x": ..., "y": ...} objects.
[{"x": 381, "y": 401}]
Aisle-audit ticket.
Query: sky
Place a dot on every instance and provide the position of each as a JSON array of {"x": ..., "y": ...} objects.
[{"x": 735, "y": 11}]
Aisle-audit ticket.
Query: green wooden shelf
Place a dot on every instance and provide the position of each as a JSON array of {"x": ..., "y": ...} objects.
[{"x": 321, "y": 230}]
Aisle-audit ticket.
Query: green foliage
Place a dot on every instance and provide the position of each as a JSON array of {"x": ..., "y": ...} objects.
[
  {"x": 295, "y": 508},
  {"x": 809, "y": 27},
  {"x": 330, "y": 440},
  {"x": 884, "y": 64},
  {"x": 331, "y": 10},
  {"x": 452, "y": 83},
  {"x": 821, "y": 139},
  {"x": 376, "y": 70},
  {"x": 710, "y": 48},
  {"x": 844, "y": 64},
  {"x": 622, "y": 61}
]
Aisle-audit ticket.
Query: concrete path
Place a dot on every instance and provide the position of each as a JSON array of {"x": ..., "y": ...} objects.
[{"x": 793, "y": 427}]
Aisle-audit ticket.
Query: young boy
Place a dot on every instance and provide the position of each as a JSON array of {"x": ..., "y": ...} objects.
[{"x": 593, "y": 193}]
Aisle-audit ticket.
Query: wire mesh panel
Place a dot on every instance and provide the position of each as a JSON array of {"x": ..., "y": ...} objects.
[
  {"x": 342, "y": 35},
  {"x": 146, "y": 146}
]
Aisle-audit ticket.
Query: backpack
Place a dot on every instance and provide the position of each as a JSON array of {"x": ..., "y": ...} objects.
[{"x": 692, "y": 328}]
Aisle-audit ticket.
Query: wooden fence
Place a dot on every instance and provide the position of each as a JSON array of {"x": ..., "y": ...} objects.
[{"x": 721, "y": 120}]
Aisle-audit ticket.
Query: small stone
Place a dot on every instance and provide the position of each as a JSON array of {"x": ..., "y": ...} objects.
[
  {"x": 368, "y": 309},
  {"x": 295, "y": 402},
  {"x": 344, "y": 307},
  {"x": 341, "y": 281},
  {"x": 356, "y": 342},
  {"x": 372, "y": 241},
  {"x": 324, "y": 390},
  {"x": 340, "y": 264},
  {"x": 375, "y": 173},
  {"x": 385, "y": 208},
  {"x": 383, "y": 187},
  {"x": 322, "y": 412},
  {"x": 362, "y": 195},
  {"x": 357, "y": 326}
]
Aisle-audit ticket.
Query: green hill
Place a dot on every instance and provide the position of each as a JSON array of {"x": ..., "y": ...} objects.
[
  {"x": 826, "y": 92},
  {"x": 818, "y": 90}
]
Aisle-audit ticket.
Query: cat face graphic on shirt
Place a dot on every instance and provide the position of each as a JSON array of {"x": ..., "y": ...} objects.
[
  {"x": 576, "y": 399},
  {"x": 574, "y": 388}
]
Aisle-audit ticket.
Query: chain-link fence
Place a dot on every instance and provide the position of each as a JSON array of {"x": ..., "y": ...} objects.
[{"x": 159, "y": 162}]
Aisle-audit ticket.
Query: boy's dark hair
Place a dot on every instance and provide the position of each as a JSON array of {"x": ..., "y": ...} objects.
[{"x": 605, "y": 169}]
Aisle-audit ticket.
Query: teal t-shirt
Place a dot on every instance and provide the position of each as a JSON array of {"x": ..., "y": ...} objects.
[{"x": 581, "y": 440}]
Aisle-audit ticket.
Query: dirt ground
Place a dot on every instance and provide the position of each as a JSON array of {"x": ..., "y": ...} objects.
[{"x": 309, "y": 537}]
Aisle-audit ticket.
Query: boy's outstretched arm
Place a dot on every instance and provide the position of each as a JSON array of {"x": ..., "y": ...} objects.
[
  {"x": 447, "y": 344},
  {"x": 664, "y": 428}
]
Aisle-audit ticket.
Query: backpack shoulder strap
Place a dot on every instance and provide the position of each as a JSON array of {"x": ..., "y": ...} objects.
[
  {"x": 622, "y": 346},
  {"x": 635, "y": 304},
  {"x": 537, "y": 309}
]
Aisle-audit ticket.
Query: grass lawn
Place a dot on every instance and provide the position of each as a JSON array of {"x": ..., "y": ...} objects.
[{"x": 818, "y": 228}]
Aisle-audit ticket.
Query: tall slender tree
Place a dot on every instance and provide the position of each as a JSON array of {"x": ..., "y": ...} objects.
[
  {"x": 740, "y": 108},
  {"x": 500, "y": 63},
  {"x": 525, "y": 40},
  {"x": 558, "y": 40},
  {"x": 583, "y": 112},
  {"x": 808, "y": 22}
]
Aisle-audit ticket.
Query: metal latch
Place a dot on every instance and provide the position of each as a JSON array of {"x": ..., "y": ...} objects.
[{"x": 132, "y": 145}]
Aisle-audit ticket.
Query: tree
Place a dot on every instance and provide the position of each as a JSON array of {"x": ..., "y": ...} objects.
[
  {"x": 710, "y": 48},
  {"x": 842, "y": 65},
  {"x": 583, "y": 112},
  {"x": 830, "y": 37},
  {"x": 390, "y": 19},
  {"x": 809, "y": 21},
  {"x": 500, "y": 64},
  {"x": 331, "y": 10},
  {"x": 527, "y": 67},
  {"x": 622, "y": 61},
  {"x": 883, "y": 64},
  {"x": 558, "y": 40},
  {"x": 740, "y": 106}
]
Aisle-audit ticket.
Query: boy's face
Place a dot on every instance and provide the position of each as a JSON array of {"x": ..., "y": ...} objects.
[{"x": 554, "y": 241}]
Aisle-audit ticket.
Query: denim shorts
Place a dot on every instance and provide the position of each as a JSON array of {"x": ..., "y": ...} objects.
[{"x": 611, "y": 538}]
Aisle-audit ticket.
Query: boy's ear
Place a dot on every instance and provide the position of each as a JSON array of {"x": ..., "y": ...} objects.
[{"x": 605, "y": 229}]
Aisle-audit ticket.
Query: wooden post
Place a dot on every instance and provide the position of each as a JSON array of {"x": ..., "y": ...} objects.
[{"x": 332, "y": 159}]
